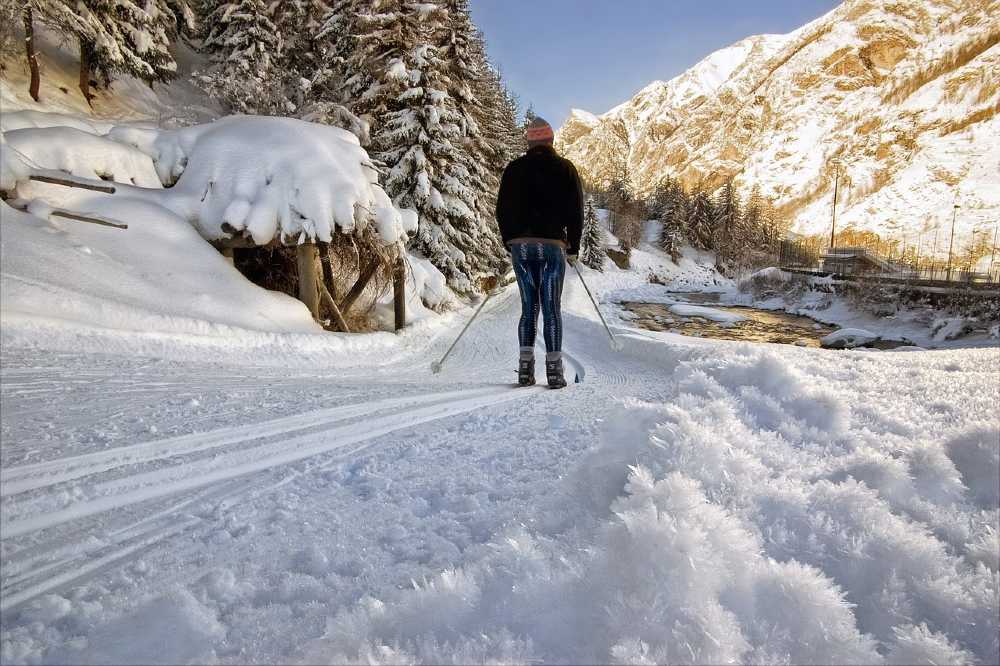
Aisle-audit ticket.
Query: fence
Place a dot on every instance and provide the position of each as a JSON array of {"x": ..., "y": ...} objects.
[{"x": 865, "y": 263}]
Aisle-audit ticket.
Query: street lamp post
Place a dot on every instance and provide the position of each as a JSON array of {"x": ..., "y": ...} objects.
[
  {"x": 993, "y": 254},
  {"x": 836, "y": 189},
  {"x": 951, "y": 243}
]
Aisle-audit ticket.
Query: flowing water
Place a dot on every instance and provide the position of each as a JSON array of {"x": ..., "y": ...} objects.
[{"x": 756, "y": 326}]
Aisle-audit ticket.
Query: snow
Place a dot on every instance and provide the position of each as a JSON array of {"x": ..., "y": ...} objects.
[
  {"x": 82, "y": 154},
  {"x": 192, "y": 472},
  {"x": 270, "y": 177},
  {"x": 712, "y": 314},
  {"x": 157, "y": 275},
  {"x": 849, "y": 338}
]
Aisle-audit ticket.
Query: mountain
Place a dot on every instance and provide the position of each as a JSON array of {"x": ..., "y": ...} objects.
[{"x": 902, "y": 94}]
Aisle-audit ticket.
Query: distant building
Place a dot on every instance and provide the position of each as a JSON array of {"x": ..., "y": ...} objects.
[{"x": 853, "y": 261}]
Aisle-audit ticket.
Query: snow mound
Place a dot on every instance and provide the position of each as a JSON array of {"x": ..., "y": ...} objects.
[
  {"x": 156, "y": 276},
  {"x": 848, "y": 338},
  {"x": 13, "y": 166},
  {"x": 712, "y": 314},
  {"x": 14, "y": 120},
  {"x": 270, "y": 178},
  {"x": 82, "y": 154},
  {"x": 747, "y": 520}
]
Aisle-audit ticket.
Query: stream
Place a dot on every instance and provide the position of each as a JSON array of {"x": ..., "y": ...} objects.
[{"x": 699, "y": 315}]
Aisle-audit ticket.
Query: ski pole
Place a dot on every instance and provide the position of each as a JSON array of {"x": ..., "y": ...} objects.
[
  {"x": 615, "y": 344},
  {"x": 436, "y": 365}
]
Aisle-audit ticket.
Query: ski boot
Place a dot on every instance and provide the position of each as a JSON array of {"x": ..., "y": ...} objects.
[
  {"x": 554, "y": 373},
  {"x": 526, "y": 372}
]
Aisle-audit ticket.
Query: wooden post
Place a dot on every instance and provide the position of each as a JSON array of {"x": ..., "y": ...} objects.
[
  {"x": 399, "y": 292},
  {"x": 338, "y": 318},
  {"x": 308, "y": 277},
  {"x": 363, "y": 279}
]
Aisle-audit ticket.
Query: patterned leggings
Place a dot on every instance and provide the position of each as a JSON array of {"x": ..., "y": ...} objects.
[{"x": 540, "y": 269}]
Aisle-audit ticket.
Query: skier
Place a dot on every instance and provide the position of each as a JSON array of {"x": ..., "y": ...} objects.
[{"x": 540, "y": 214}]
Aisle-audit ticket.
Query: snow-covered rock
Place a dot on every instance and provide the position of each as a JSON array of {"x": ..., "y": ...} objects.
[
  {"x": 712, "y": 314},
  {"x": 848, "y": 338}
]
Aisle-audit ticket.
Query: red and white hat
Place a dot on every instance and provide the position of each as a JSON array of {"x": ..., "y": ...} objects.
[{"x": 539, "y": 133}]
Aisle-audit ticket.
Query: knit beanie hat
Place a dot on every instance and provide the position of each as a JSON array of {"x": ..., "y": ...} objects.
[{"x": 539, "y": 133}]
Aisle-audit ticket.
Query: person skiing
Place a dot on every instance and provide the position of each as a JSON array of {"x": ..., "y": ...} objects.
[{"x": 540, "y": 215}]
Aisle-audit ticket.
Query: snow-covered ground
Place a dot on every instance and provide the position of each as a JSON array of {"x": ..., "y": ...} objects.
[
  {"x": 689, "y": 501},
  {"x": 192, "y": 472}
]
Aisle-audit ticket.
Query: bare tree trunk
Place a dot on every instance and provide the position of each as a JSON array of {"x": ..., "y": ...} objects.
[
  {"x": 29, "y": 51},
  {"x": 85, "y": 67}
]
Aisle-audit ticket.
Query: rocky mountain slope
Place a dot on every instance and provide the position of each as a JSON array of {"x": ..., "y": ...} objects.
[{"x": 901, "y": 94}]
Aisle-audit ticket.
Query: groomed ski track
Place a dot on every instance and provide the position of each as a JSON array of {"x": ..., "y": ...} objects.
[{"x": 70, "y": 518}]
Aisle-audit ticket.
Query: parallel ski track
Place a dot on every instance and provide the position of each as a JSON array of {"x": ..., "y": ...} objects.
[
  {"x": 39, "y": 475},
  {"x": 218, "y": 482}
]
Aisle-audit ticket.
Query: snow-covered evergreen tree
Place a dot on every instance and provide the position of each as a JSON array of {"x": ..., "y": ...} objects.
[
  {"x": 674, "y": 233},
  {"x": 726, "y": 241},
  {"x": 592, "y": 242},
  {"x": 478, "y": 105},
  {"x": 116, "y": 37},
  {"x": 244, "y": 43},
  {"x": 399, "y": 81},
  {"x": 701, "y": 220}
]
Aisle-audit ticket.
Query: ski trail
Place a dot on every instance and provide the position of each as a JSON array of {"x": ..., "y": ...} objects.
[
  {"x": 223, "y": 467},
  {"x": 11, "y": 600},
  {"x": 38, "y": 475}
]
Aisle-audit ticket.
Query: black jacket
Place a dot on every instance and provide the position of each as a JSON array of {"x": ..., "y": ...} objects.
[{"x": 541, "y": 197}]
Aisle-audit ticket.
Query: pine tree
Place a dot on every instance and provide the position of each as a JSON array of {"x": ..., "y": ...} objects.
[
  {"x": 329, "y": 90},
  {"x": 727, "y": 206},
  {"x": 244, "y": 43},
  {"x": 592, "y": 242},
  {"x": 675, "y": 233},
  {"x": 477, "y": 103},
  {"x": 400, "y": 83},
  {"x": 702, "y": 220}
]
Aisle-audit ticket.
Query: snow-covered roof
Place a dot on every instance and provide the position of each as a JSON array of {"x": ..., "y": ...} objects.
[
  {"x": 270, "y": 178},
  {"x": 263, "y": 177}
]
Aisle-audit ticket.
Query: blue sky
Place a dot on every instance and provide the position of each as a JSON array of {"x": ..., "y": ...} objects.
[{"x": 595, "y": 54}]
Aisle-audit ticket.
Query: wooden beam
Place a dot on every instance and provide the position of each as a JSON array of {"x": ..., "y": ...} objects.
[
  {"x": 68, "y": 182},
  {"x": 305, "y": 255},
  {"x": 399, "y": 292},
  {"x": 239, "y": 242},
  {"x": 92, "y": 220},
  {"x": 70, "y": 215},
  {"x": 338, "y": 317},
  {"x": 359, "y": 286}
]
